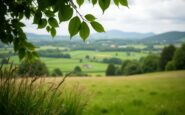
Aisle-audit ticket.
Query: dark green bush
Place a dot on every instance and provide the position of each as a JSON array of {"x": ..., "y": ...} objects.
[
  {"x": 78, "y": 72},
  {"x": 111, "y": 70},
  {"x": 125, "y": 63},
  {"x": 77, "y": 69},
  {"x": 132, "y": 68},
  {"x": 179, "y": 58},
  {"x": 170, "y": 66},
  {"x": 112, "y": 60},
  {"x": 35, "y": 68},
  {"x": 150, "y": 63},
  {"x": 57, "y": 72},
  {"x": 166, "y": 56}
]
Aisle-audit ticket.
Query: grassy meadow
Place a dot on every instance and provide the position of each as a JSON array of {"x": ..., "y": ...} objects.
[
  {"x": 67, "y": 65},
  {"x": 147, "y": 94},
  {"x": 160, "y": 93}
]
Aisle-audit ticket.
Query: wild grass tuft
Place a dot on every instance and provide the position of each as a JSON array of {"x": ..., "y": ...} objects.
[{"x": 34, "y": 96}]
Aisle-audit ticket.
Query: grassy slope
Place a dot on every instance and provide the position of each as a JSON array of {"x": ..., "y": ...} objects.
[{"x": 148, "y": 94}]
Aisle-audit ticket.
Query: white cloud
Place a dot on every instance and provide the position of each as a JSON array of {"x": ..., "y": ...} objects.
[{"x": 141, "y": 16}]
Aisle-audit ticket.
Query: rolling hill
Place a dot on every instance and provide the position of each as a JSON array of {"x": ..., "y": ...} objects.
[
  {"x": 168, "y": 37},
  {"x": 112, "y": 34}
]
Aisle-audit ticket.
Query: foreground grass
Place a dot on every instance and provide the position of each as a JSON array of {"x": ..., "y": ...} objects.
[{"x": 148, "y": 94}]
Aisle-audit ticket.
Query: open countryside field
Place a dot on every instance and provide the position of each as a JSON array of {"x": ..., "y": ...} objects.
[
  {"x": 147, "y": 94},
  {"x": 96, "y": 67}
]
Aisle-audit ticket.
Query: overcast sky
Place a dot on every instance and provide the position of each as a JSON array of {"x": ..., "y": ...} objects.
[{"x": 142, "y": 16}]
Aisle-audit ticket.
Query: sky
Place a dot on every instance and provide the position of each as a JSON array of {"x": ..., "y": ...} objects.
[{"x": 142, "y": 16}]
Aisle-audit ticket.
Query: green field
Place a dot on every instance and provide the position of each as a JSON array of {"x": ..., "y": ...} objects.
[
  {"x": 66, "y": 65},
  {"x": 147, "y": 94}
]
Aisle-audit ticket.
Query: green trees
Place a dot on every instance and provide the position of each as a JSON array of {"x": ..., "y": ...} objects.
[
  {"x": 179, "y": 58},
  {"x": 150, "y": 63},
  {"x": 170, "y": 66},
  {"x": 46, "y": 14},
  {"x": 78, "y": 72},
  {"x": 128, "y": 68},
  {"x": 132, "y": 68},
  {"x": 77, "y": 69},
  {"x": 31, "y": 69},
  {"x": 111, "y": 70},
  {"x": 112, "y": 60},
  {"x": 57, "y": 72},
  {"x": 166, "y": 56}
]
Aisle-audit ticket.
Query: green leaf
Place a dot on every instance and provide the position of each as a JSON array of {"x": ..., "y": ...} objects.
[
  {"x": 65, "y": 13},
  {"x": 43, "y": 4},
  {"x": 94, "y": 2},
  {"x": 21, "y": 53},
  {"x": 84, "y": 31},
  {"x": 42, "y": 23},
  {"x": 104, "y": 4},
  {"x": 49, "y": 13},
  {"x": 90, "y": 17},
  {"x": 37, "y": 17},
  {"x": 35, "y": 54},
  {"x": 48, "y": 28},
  {"x": 80, "y": 2},
  {"x": 53, "y": 22},
  {"x": 124, "y": 2},
  {"x": 29, "y": 46},
  {"x": 116, "y": 2},
  {"x": 16, "y": 44},
  {"x": 53, "y": 32},
  {"x": 27, "y": 13},
  {"x": 97, "y": 26},
  {"x": 74, "y": 26}
]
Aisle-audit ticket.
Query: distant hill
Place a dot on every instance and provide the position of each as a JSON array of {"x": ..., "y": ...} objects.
[
  {"x": 107, "y": 35},
  {"x": 43, "y": 37},
  {"x": 168, "y": 37},
  {"x": 120, "y": 34},
  {"x": 112, "y": 34}
]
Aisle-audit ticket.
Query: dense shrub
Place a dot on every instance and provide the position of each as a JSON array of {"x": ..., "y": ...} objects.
[
  {"x": 87, "y": 57},
  {"x": 57, "y": 72},
  {"x": 118, "y": 71},
  {"x": 124, "y": 64},
  {"x": 111, "y": 70},
  {"x": 179, "y": 58},
  {"x": 166, "y": 56},
  {"x": 170, "y": 66},
  {"x": 112, "y": 60},
  {"x": 150, "y": 63},
  {"x": 132, "y": 68},
  {"x": 78, "y": 72},
  {"x": 52, "y": 53},
  {"x": 35, "y": 68},
  {"x": 77, "y": 69}
]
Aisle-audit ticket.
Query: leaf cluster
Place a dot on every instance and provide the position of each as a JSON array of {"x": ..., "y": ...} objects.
[{"x": 47, "y": 14}]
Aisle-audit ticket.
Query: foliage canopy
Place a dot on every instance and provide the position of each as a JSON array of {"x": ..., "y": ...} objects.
[
  {"x": 111, "y": 69},
  {"x": 166, "y": 56},
  {"x": 35, "y": 68},
  {"x": 46, "y": 14},
  {"x": 179, "y": 58}
]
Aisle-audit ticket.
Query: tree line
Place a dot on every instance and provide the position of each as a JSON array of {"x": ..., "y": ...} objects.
[
  {"x": 53, "y": 53},
  {"x": 171, "y": 58}
]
